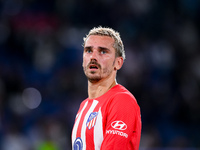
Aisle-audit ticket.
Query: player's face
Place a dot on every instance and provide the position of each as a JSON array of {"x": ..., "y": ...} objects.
[{"x": 98, "y": 57}]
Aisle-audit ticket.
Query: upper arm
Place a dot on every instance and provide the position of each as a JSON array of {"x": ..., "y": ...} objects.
[{"x": 122, "y": 122}]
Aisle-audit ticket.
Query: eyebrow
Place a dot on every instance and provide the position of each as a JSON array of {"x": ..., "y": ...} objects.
[
  {"x": 104, "y": 48},
  {"x": 88, "y": 47},
  {"x": 101, "y": 48}
]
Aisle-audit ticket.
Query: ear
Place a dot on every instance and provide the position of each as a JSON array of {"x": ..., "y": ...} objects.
[{"x": 118, "y": 63}]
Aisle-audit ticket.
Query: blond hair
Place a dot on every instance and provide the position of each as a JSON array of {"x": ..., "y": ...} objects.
[{"x": 105, "y": 31}]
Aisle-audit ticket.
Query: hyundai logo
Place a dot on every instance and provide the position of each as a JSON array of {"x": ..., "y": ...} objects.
[{"x": 120, "y": 125}]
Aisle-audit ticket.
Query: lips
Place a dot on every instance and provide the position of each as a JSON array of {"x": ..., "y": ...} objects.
[{"x": 94, "y": 66}]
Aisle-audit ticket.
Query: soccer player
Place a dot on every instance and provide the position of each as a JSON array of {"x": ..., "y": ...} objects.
[{"x": 109, "y": 119}]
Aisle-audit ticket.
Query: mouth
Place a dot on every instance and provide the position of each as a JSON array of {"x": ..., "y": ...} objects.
[{"x": 93, "y": 67}]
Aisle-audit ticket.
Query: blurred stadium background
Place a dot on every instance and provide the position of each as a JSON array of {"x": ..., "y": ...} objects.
[{"x": 42, "y": 82}]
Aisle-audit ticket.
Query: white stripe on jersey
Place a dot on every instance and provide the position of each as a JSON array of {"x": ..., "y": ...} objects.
[
  {"x": 98, "y": 131},
  {"x": 77, "y": 123},
  {"x": 83, "y": 130}
]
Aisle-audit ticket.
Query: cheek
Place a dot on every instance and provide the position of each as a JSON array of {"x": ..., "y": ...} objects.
[
  {"x": 85, "y": 62},
  {"x": 108, "y": 64}
]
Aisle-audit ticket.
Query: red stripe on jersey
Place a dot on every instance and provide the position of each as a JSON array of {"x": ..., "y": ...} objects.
[
  {"x": 78, "y": 134},
  {"x": 90, "y": 133}
]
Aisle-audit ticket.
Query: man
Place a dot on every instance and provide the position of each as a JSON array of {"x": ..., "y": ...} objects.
[{"x": 109, "y": 119}]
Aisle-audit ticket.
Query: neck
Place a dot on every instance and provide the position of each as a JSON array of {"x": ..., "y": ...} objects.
[{"x": 97, "y": 89}]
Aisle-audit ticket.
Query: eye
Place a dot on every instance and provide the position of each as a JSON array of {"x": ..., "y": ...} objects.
[
  {"x": 88, "y": 50},
  {"x": 103, "y": 52}
]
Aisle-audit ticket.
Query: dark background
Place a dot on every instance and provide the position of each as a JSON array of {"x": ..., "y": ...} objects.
[{"x": 42, "y": 81}]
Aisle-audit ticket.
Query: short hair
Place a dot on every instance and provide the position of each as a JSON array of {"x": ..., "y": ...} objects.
[{"x": 105, "y": 31}]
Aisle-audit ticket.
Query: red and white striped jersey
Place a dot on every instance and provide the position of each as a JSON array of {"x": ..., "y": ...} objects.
[{"x": 109, "y": 122}]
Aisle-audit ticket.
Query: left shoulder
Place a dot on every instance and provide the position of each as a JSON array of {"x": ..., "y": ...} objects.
[
  {"x": 122, "y": 102},
  {"x": 122, "y": 92},
  {"x": 121, "y": 96}
]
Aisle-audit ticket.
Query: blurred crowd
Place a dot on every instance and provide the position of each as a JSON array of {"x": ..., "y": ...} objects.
[{"x": 42, "y": 81}]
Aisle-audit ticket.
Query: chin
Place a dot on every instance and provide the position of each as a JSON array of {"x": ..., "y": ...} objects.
[{"x": 93, "y": 79}]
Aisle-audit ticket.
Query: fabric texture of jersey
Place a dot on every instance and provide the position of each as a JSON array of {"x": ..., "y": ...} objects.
[{"x": 109, "y": 122}]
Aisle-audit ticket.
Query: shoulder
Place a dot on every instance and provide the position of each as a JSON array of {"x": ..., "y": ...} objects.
[
  {"x": 84, "y": 102},
  {"x": 121, "y": 97},
  {"x": 120, "y": 92},
  {"x": 122, "y": 104}
]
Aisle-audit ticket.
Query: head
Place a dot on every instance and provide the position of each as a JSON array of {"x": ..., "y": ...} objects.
[
  {"x": 104, "y": 31},
  {"x": 103, "y": 54}
]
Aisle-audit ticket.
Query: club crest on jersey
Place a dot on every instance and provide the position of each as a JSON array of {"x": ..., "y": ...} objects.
[{"x": 91, "y": 120}]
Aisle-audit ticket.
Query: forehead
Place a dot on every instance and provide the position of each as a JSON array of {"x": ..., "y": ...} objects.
[{"x": 98, "y": 40}]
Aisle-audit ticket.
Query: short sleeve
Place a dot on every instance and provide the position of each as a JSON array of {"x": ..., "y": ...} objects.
[{"x": 123, "y": 123}]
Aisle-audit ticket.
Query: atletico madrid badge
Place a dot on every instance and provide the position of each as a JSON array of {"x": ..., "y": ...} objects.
[{"x": 91, "y": 120}]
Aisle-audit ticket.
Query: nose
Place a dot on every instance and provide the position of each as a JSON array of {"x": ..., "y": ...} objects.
[{"x": 94, "y": 55}]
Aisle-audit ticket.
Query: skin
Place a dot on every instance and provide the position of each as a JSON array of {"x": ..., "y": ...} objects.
[{"x": 100, "y": 64}]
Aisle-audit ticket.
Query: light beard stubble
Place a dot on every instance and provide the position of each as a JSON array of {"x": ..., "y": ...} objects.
[
  {"x": 96, "y": 78},
  {"x": 92, "y": 79}
]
